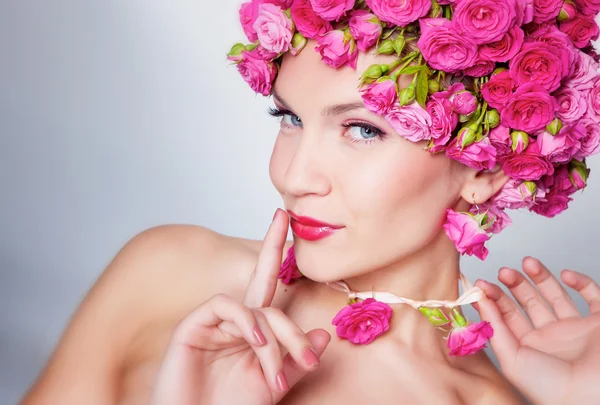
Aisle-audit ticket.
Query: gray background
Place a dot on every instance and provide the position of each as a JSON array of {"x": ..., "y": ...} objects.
[{"x": 116, "y": 116}]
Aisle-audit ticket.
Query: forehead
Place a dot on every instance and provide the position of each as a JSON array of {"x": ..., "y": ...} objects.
[{"x": 305, "y": 76}]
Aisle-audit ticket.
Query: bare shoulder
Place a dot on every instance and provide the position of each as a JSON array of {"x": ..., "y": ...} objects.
[{"x": 155, "y": 280}]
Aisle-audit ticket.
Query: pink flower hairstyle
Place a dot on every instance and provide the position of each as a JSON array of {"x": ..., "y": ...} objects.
[{"x": 496, "y": 83}]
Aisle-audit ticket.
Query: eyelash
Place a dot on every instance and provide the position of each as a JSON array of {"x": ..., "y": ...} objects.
[{"x": 379, "y": 134}]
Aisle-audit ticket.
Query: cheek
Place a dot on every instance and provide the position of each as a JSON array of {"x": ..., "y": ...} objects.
[
  {"x": 408, "y": 191},
  {"x": 280, "y": 159}
]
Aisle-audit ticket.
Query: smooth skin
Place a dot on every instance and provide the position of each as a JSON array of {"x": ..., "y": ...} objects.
[
  {"x": 225, "y": 343},
  {"x": 552, "y": 355}
]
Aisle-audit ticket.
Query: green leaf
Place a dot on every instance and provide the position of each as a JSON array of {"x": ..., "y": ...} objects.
[
  {"x": 409, "y": 70},
  {"x": 422, "y": 88}
]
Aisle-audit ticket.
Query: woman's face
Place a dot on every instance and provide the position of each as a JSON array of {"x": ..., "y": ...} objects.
[{"x": 339, "y": 163}]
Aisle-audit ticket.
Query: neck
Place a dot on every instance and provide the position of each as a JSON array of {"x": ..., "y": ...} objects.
[{"x": 431, "y": 273}]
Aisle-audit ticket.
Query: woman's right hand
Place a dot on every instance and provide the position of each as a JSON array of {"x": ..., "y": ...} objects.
[{"x": 227, "y": 352}]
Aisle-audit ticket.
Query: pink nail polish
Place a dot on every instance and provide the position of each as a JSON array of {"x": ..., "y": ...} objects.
[
  {"x": 258, "y": 335},
  {"x": 310, "y": 357},
  {"x": 276, "y": 212},
  {"x": 281, "y": 381}
]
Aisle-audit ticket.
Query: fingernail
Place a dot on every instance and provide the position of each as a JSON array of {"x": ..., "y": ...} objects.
[
  {"x": 310, "y": 357},
  {"x": 476, "y": 306},
  {"x": 258, "y": 335},
  {"x": 282, "y": 383},
  {"x": 276, "y": 212}
]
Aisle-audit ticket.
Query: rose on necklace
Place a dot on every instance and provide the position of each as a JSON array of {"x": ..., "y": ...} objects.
[{"x": 362, "y": 322}]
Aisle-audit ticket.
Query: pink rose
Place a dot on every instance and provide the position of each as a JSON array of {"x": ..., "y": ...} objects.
[
  {"x": 516, "y": 194},
  {"x": 444, "y": 48},
  {"x": 331, "y": 10},
  {"x": 410, "y": 121},
  {"x": 572, "y": 104},
  {"x": 590, "y": 142},
  {"x": 581, "y": 29},
  {"x": 498, "y": 90},
  {"x": 561, "y": 147},
  {"x": 558, "y": 43},
  {"x": 484, "y": 21},
  {"x": 289, "y": 269},
  {"x": 594, "y": 100},
  {"x": 249, "y": 13},
  {"x": 501, "y": 141},
  {"x": 588, "y": 7},
  {"x": 498, "y": 218},
  {"x": 443, "y": 119},
  {"x": 529, "y": 109},
  {"x": 365, "y": 28},
  {"x": 585, "y": 72},
  {"x": 273, "y": 28},
  {"x": 465, "y": 232},
  {"x": 529, "y": 165},
  {"x": 479, "y": 155},
  {"x": 336, "y": 49},
  {"x": 399, "y": 13},
  {"x": 536, "y": 62},
  {"x": 470, "y": 339},
  {"x": 257, "y": 72},
  {"x": 380, "y": 97},
  {"x": 505, "y": 48},
  {"x": 546, "y": 10},
  {"x": 481, "y": 67},
  {"x": 464, "y": 102},
  {"x": 558, "y": 183},
  {"x": 308, "y": 23},
  {"x": 363, "y": 321},
  {"x": 552, "y": 205}
]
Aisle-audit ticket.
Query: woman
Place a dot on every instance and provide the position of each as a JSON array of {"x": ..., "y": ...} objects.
[{"x": 184, "y": 315}]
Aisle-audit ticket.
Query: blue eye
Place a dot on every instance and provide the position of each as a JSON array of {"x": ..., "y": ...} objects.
[
  {"x": 288, "y": 118},
  {"x": 291, "y": 120},
  {"x": 363, "y": 132}
]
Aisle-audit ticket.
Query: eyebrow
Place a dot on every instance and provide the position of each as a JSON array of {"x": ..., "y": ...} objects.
[{"x": 335, "y": 109}]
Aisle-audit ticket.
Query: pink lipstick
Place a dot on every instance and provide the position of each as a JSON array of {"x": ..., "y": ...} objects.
[{"x": 309, "y": 228}]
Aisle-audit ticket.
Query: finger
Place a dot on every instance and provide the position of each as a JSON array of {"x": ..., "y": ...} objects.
[
  {"x": 319, "y": 339},
  {"x": 269, "y": 356},
  {"x": 290, "y": 336},
  {"x": 510, "y": 312},
  {"x": 199, "y": 329},
  {"x": 585, "y": 286},
  {"x": 263, "y": 282},
  {"x": 550, "y": 288},
  {"x": 527, "y": 296},
  {"x": 503, "y": 342}
]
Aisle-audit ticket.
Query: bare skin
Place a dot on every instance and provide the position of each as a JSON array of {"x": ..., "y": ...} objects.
[{"x": 183, "y": 266}]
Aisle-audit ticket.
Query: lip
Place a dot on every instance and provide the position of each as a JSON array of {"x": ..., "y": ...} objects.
[{"x": 310, "y": 228}]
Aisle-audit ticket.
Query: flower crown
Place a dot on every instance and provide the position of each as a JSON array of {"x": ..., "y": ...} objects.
[{"x": 513, "y": 83}]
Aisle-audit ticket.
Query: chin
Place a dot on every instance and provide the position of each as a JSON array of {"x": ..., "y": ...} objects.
[{"x": 325, "y": 264}]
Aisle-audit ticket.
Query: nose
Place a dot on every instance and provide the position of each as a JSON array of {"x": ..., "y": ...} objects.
[{"x": 306, "y": 173}]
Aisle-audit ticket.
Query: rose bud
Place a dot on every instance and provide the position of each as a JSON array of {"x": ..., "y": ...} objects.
[
  {"x": 433, "y": 86},
  {"x": 406, "y": 95},
  {"x": 298, "y": 43},
  {"x": 235, "y": 54},
  {"x": 567, "y": 11},
  {"x": 493, "y": 118},
  {"x": 520, "y": 141},
  {"x": 386, "y": 47},
  {"x": 554, "y": 127},
  {"x": 578, "y": 173}
]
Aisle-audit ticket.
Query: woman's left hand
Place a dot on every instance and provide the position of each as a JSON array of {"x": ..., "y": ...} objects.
[{"x": 551, "y": 354}]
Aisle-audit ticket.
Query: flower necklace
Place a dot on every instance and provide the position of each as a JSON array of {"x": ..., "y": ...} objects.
[{"x": 361, "y": 322}]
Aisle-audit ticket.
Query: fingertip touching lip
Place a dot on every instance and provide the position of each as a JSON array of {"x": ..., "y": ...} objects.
[{"x": 312, "y": 222}]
